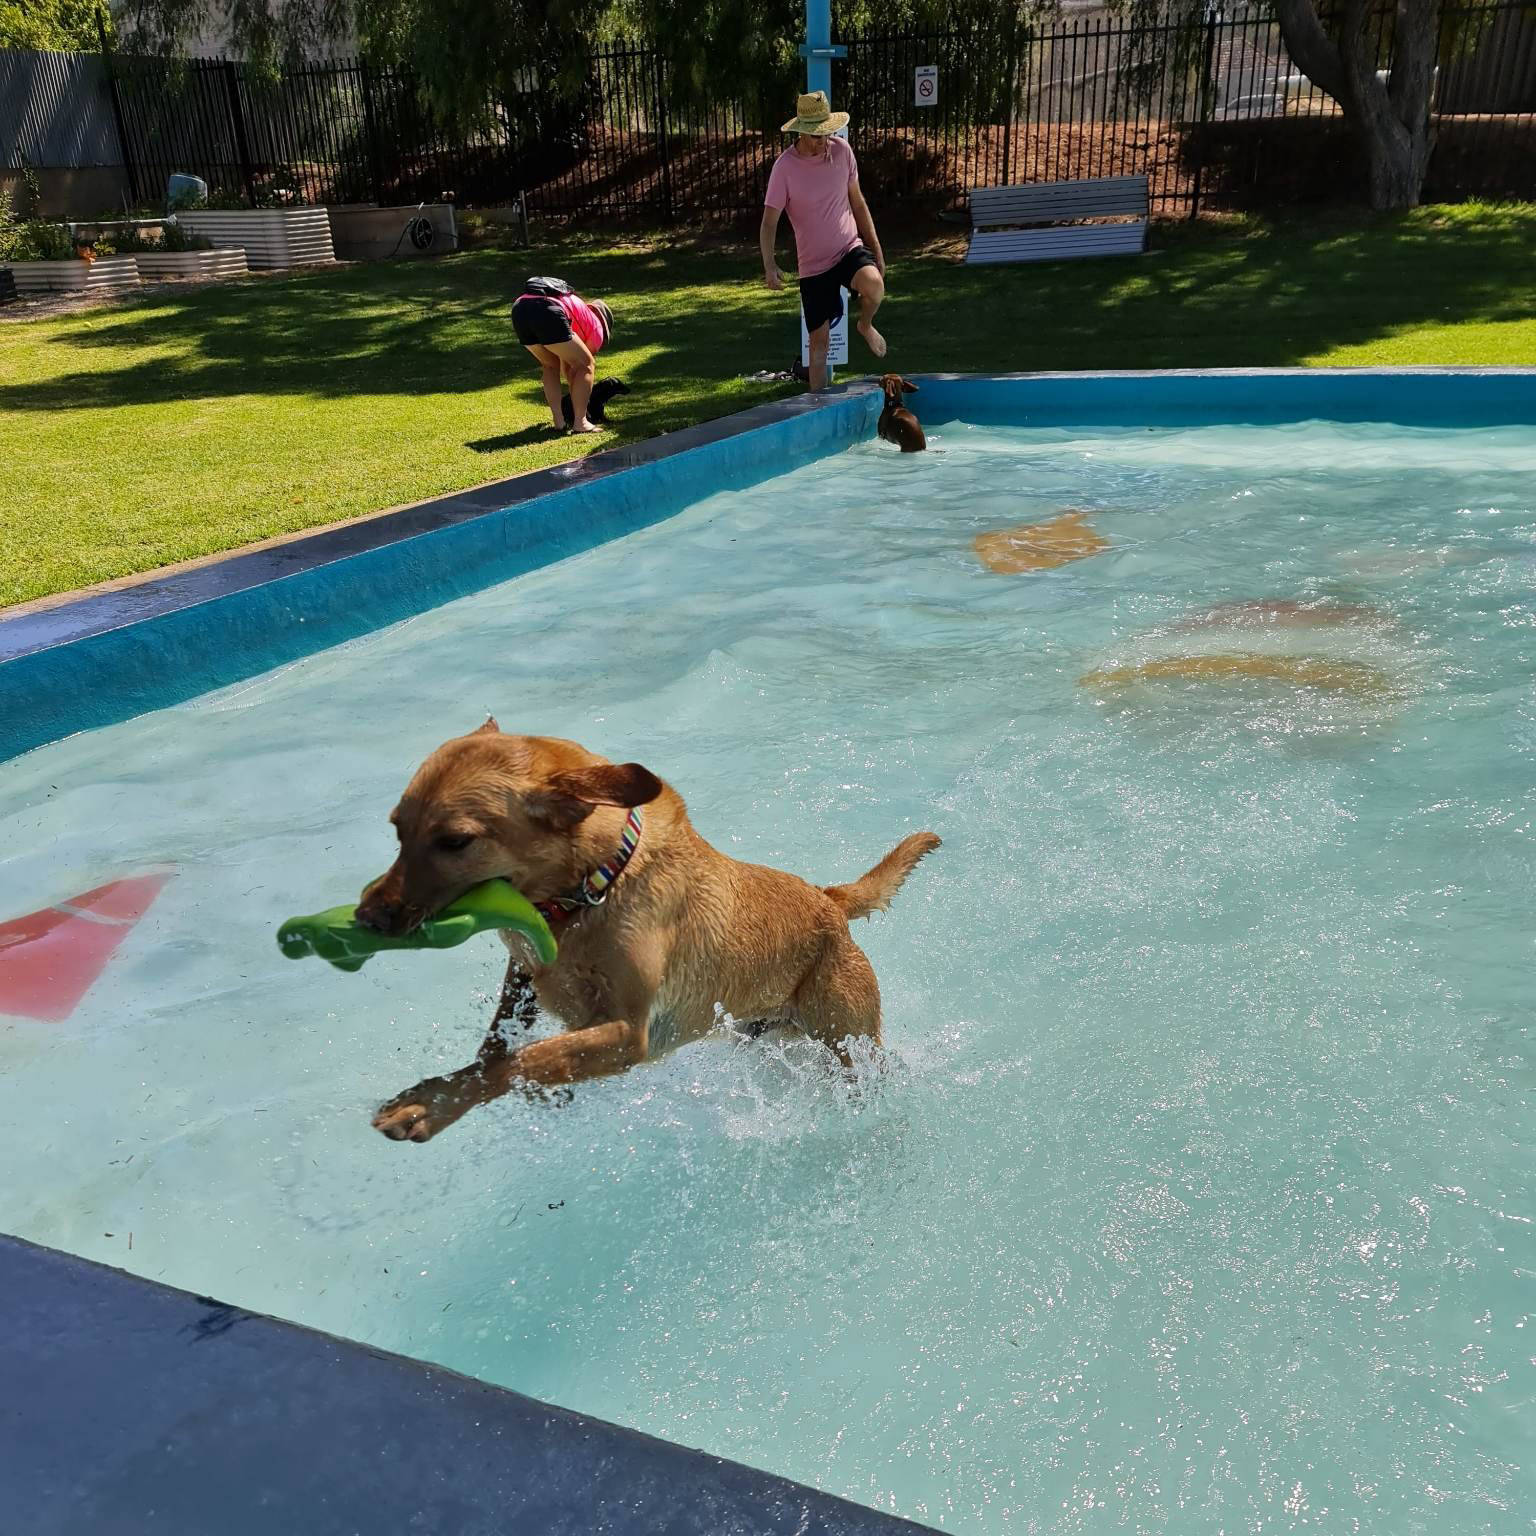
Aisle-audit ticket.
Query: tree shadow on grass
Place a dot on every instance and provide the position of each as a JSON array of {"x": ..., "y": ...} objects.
[
  {"x": 690, "y": 323},
  {"x": 406, "y": 329},
  {"x": 1275, "y": 299}
]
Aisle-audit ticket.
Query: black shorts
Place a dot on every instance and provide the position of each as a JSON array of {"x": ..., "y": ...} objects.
[
  {"x": 821, "y": 297},
  {"x": 540, "y": 322}
]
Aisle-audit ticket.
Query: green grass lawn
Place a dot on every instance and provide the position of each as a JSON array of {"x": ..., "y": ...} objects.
[{"x": 179, "y": 426}]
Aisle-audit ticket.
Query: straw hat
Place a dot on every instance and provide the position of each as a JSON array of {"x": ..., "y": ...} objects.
[{"x": 815, "y": 116}]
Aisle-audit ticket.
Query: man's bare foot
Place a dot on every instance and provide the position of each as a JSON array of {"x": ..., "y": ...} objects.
[
  {"x": 872, "y": 338},
  {"x": 585, "y": 426},
  {"x": 558, "y": 423}
]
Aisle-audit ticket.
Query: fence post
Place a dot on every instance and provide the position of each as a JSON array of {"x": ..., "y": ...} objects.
[
  {"x": 237, "y": 127},
  {"x": 371, "y": 131},
  {"x": 1207, "y": 59},
  {"x": 1011, "y": 100},
  {"x": 118, "y": 118},
  {"x": 668, "y": 211}
]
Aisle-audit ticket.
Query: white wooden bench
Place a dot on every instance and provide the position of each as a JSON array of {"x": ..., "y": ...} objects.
[{"x": 997, "y": 211}]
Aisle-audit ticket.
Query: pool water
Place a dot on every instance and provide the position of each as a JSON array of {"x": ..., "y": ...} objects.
[{"x": 1196, "y": 1192}]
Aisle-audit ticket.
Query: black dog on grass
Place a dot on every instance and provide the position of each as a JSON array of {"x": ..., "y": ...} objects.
[{"x": 602, "y": 392}]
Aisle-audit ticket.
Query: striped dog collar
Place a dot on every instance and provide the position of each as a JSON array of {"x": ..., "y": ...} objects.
[{"x": 593, "y": 890}]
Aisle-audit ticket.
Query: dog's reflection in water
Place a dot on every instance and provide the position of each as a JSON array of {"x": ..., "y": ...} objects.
[
  {"x": 1326, "y": 673},
  {"x": 1039, "y": 546}
]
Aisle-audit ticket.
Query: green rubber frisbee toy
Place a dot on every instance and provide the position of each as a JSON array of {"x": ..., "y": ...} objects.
[{"x": 337, "y": 935}]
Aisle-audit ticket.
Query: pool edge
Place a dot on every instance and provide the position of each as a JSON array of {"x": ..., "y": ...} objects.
[
  {"x": 133, "y": 1404},
  {"x": 104, "y": 656},
  {"x": 1485, "y": 396},
  {"x": 101, "y": 657}
]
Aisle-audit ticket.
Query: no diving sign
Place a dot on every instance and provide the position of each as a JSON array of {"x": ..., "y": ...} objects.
[{"x": 927, "y": 85}]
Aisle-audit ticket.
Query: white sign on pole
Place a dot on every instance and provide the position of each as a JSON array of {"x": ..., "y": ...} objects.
[
  {"x": 837, "y": 338},
  {"x": 927, "y": 85}
]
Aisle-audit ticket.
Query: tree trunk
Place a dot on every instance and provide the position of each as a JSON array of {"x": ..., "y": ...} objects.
[
  {"x": 1397, "y": 158},
  {"x": 1390, "y": 119}
]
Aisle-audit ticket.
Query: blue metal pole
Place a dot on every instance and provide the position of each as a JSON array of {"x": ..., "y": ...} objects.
[
  {"x": 818, "y": 46},
  {"x": 819, "y": 53}
]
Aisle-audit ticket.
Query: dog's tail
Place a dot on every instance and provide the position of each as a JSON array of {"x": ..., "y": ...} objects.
[{"x": 872, "y": 892}]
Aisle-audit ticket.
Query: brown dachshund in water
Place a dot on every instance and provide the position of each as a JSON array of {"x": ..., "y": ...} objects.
[
  {"x": 897, "y": 424},
  {"x": 657, "y": 930}
]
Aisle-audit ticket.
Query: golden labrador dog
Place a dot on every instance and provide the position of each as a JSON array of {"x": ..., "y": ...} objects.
[{"x": 655, "y": 927}]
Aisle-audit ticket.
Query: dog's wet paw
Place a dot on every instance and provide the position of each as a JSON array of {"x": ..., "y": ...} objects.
[
  {"x": 421, "y": 1112},
  {"x": 405, "y": 1122}
]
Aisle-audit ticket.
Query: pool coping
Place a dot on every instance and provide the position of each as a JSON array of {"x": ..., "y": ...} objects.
[
  {"x": 61, "y": 618},
  {"x": 102, "y": 656},
  {"x": 134, "y": 1406}
]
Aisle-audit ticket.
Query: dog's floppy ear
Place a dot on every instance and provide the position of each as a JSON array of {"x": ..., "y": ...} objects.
[
  {"x": 909, "y": 387},
  {"x": 490, "y": 728},
  {"x": 625, "y": 784},
  {"x": 572, "y": 796}
]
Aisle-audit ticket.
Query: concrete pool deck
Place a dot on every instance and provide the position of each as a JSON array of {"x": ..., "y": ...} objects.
[{"x": 132, "y": 1407}]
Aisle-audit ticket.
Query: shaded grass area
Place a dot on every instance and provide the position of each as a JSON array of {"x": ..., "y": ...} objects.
[{"x": 183, "y": 425}]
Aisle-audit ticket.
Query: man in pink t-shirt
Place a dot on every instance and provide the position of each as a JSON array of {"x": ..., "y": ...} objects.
[{"x": 816, "y": 182}]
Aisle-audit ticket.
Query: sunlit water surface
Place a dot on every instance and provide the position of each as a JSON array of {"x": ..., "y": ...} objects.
[{"x": 1196, "y": 1193}]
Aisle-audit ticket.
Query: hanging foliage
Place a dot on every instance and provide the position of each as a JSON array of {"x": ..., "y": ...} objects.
[{"x": 53, "y": 26}]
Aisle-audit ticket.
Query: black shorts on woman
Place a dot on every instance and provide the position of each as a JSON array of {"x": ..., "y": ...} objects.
[
  {"x": 540, "y": 321},
  {"x": 821, "y": 297}
]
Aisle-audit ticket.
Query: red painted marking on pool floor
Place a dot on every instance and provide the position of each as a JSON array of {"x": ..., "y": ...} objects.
[{"x": 51, "y": 958}]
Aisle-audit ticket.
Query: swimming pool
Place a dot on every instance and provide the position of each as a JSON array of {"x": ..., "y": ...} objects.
[{"x": 1196, "y": 1191}]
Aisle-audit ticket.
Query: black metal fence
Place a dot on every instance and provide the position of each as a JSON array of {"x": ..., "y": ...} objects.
[
  {"x": 1216, "y": 115},
  {"x": 345, "y": 131}
]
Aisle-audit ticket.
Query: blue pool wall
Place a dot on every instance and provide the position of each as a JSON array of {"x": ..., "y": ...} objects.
[
  {"x": 55, "y": 681},
  {"x": 106, "y": 656},
  {"x": 1413, "y": 397}
]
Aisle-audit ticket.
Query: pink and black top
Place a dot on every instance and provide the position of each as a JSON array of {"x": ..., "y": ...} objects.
[{"x": 546, "y": 318}]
